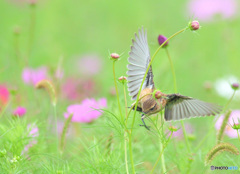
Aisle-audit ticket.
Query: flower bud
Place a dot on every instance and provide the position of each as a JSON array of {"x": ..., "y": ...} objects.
[
  {"x": 236, "y": 126},
  {"x": 122, "y": 79},
  {"x": 114, "y": 56},
  {"x": 235, "y": 86},
  {"x": 194, "y": 25},
  {"x": 157, "y": 94},
  {"x": 172, "y": 128},
  {"x": 162, "y": 39}
]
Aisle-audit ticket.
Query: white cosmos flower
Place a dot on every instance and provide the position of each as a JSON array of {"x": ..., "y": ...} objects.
[{"x": 224, "y": 89}]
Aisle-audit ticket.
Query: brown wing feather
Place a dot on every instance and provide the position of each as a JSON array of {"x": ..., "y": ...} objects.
[{"x": 181, "y": 107}]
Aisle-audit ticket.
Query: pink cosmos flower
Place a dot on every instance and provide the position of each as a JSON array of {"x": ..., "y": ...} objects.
[
  {"x": 4, "y": 96},
  {"x": 85, "y": 112},
  {"x": 33, "y": 134},
  {"x": 20, "y": 111},
  {"x": 90, "y": 65},
  {"x": 229, "y": 131},
  {"x": 33, "y": 76},
  {"x": 205, "y": 10}
]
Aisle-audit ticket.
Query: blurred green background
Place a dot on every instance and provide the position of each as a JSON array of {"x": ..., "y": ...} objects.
[{"x": 74, "y": 28}]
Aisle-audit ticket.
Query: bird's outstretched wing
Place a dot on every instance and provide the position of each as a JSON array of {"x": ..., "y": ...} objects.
[
  {"x": 181, "y": 107},
  {"x": 139, "y": 58}
]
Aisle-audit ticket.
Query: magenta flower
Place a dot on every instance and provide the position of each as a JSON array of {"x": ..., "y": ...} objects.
[
  {"x": 86, "y": 111},
  {"x": 229, "y": 131},
  {"x": 206, "y": 10},
  {"x": 33, "y": 134},
  {"x": 20, "y": 111},
  {"x": 4, "y": 96},
  {"x": 33, "y": 76},
  {"x": 90, "y": 65},
  {"x": 235, "y": 86},
  {"x": 162, "y": 39}
]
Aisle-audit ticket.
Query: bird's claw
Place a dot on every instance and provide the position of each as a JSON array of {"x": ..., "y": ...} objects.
[{"x": 147, "y": 127}]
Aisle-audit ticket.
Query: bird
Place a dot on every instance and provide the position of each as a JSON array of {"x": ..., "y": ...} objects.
[{"x": 176, "y": 106}]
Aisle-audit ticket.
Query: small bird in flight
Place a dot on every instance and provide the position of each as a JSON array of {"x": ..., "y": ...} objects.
[{"x": 177, "y": 107}]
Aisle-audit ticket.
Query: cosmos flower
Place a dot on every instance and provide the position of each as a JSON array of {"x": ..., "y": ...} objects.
[
  {"x": 4, "y": 96},
  {"x": 224, "y": 89},
  {"x": 206, "y": 10},
  {"x": 20, "y": 111},
  {"x": 33, "y": 134},
  {"x": 33, "y": 76},
  {"x": 90, "y": 65},
  {"x": 234, "y": 118},
  {"x": 86, "y": 111}
]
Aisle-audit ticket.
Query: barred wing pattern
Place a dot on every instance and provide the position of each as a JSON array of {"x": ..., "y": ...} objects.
[
  {"x": 139, "y": 58},
  {"x": 181, "y": 107}
]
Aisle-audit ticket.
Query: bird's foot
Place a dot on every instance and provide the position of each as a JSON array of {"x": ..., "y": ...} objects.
[
  {"x": 147, "y": 127},
  {"x": 144, "y": 124}
]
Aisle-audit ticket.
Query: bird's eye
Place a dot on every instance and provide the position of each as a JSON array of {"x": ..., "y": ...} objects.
[{"x": 153, "y": 108}]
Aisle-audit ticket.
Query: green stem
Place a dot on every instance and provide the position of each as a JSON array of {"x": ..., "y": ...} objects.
[
  {"x": 229, "y": 101},
  {"x": 173, "y": 71},
  {"x": 161, "y": 146},
  {"x": 55, "y": 116},
  {"x": 238, "y": 135},
  {"x": 64, "y": 132},
  {"x": 116, "y": 88},
  {"x": 125, "y": 150},
  {"x": 125, "y": 99},
  {"x": 160, "y": 155},
  {"x": 130, "y": 152},
  {"x": 162, "y": 158},
  {"x": 125, "y": 133},
  {"x": 185, "y": 136}
]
